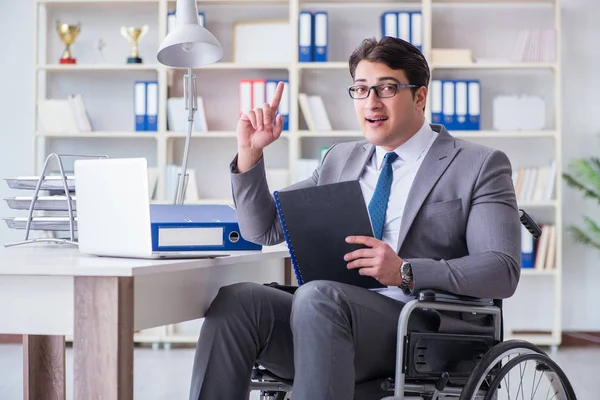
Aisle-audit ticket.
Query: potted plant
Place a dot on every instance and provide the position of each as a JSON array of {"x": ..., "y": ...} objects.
[{"x": 584, "y": 176}]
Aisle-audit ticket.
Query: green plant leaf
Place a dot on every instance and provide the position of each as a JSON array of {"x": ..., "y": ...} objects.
[
  {"x": 572, "y": 182},
  {"x": 583, "y": 238},
  {"x": 585, "y": 172}
]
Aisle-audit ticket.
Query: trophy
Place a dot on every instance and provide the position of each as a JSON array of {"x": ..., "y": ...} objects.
[
  {"x": 134, "y": 35},
  {"x": 68, "y": 34}
]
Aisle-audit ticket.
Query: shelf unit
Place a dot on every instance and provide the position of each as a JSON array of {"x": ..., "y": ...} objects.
[{"x": 109, "y": 78}]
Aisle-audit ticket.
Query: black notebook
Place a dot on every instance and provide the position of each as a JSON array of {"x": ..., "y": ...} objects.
[{"x": 316, "y": 222}]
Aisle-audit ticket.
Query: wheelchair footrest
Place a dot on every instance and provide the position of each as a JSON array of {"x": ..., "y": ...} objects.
[{"x": 429, "y": 355}]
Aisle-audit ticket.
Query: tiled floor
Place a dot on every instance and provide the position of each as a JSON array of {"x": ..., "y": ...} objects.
[{"x": 162, "y": 374}]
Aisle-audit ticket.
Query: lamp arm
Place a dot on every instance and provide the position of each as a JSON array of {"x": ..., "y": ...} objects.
[{"x": 190, "y": 99}]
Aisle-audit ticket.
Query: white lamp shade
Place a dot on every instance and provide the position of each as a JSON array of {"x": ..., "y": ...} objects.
[{"x": 189, "y": 44}]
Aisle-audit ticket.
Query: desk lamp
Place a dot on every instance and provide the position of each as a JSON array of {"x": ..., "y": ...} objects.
[{"x": 189, "y": 45}]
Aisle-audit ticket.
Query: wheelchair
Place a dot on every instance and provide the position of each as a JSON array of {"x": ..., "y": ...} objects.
[{"x": 474, "y": 367}]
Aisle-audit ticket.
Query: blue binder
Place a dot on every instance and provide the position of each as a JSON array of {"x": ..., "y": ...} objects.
[
  {"x": 460, "y": 105},
  {"x": 527, "y": 249},
  {"x": 196, "y": 227},
  {"x": 152, "y": 106},
  {"x": 305, "y": 36},
  {"x": 139, "y": 106},
  {"x": 448, "y": 104},
  {"x": 474, "y": 105},
  {"x": 436, "y": 102},
  {"x": 321, "y": 36},
  {"x": 389, "y": 24}
]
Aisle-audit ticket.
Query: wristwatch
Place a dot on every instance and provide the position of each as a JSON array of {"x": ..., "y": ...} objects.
[{"x": 407, "y": 276}]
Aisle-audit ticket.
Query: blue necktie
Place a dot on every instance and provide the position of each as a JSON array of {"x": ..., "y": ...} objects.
[{"x": 378, "y": 204}]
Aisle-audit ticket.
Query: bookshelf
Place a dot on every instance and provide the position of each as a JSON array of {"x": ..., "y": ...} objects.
[{"x": 488, "y": 27}]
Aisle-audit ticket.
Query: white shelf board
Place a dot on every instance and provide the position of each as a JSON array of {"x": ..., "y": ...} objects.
[
  {"x": 96, "y": 2},
  {"x": 502, "y": 134},
  {"x": 209, "y": 134},
  {"x": 535, "y": 272},
  {"x": 495, "y": 65},
  {"x": 457, "y": 134},
  {"x": 238, "y": 2},
  {"x": 538, "y": 204},
  {"x": 323, "y": 65},
  {"x": 359, "y": 3},
  {"x": 100, "y": 134},
  {"x": 98, "y": 67},
  {"x": 492, "y": 2},
  {"x": 326, "y": 134},
  {"x": 243, "y": 66}
]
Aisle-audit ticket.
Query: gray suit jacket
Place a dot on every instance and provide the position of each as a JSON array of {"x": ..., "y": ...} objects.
[{"x": 460, "y": 229}]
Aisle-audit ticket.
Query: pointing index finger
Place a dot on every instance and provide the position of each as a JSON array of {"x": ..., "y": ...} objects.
[{"x": 277, "y": 96}]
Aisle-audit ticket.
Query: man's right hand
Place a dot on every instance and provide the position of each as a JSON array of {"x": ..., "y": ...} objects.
[{"x": 257, "y": 129}]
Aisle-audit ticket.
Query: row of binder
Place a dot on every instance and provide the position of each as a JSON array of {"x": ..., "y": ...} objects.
[
  {"x": 405, "y": 25},
  {"x": 145, "y": 104},
  {"x": 253, "y": 93},
  {"x": 456, "y": 104},
  {"x": 312, "y": 36},
  {"x": 172, "y": 20}
]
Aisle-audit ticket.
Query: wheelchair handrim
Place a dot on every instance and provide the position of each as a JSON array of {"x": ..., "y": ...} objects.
[{"x": 516, "y": 350}]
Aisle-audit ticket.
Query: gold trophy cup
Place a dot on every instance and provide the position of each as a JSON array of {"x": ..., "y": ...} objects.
[
  {"x": 68, "y": 34},
  {"x": 134, "y": 35}
]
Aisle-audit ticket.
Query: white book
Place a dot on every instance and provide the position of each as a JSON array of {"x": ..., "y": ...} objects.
[
  {"x": 317, "y": 108},
  {"x": 306, "y": 112},
  {"x": 56, "y": 116}
]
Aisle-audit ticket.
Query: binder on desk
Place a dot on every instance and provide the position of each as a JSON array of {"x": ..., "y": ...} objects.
[
  {"x": 316, "y": 222},
  {"x": 139, "y": 106},
  {"x": 305, "y": 36},
  {"x": 196, "y": 227},
  {"x": 321, "y": 36}
]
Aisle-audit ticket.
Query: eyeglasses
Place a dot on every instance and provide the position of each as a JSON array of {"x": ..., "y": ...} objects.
[{"x": 383, "y": 90}]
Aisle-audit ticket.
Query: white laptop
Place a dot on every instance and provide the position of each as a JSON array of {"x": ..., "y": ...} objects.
[{"x": 113, "y": 211}]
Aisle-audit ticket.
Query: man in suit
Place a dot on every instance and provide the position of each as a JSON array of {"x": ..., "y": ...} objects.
[{"x": 450, "y": 223}]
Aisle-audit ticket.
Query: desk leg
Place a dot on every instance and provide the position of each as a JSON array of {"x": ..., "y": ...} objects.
[
  {"x": 43, "y": 367},
  {"x": 103, "y": 338}
]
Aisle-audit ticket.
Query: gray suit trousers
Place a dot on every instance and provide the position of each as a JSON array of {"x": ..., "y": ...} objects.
[{"x": 333, "y": 340}]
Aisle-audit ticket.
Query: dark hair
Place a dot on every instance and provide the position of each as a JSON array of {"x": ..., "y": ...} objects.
[{"x": 396, "y": 54}]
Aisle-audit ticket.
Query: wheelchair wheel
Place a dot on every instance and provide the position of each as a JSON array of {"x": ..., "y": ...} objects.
[{"x": 517, "y": 368}]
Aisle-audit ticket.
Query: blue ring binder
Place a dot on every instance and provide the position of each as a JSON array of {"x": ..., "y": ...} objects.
[{"x": 287, "y": 239}]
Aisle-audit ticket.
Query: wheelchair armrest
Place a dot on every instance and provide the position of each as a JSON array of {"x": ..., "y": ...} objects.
[{"x": 447, "y": 297}]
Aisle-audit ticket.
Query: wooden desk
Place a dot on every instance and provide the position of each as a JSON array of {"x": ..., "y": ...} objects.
[{"x": 48, "y": 292}]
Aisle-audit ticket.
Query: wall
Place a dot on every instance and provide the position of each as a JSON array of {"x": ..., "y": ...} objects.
[
  {"x": 16, "y": 99},
  {"x": 580, "y": 127}
]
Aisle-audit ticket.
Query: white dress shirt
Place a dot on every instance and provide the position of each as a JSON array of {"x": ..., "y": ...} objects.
[{"x": 410, "y": 156}]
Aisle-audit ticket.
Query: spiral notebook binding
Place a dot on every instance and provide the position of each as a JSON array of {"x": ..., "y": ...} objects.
[{"x": 287, "y": 238}]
